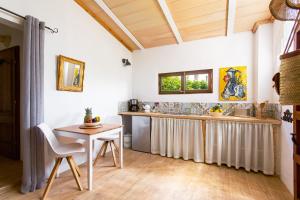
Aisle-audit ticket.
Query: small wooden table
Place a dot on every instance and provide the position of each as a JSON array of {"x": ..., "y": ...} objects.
[{"x": 89, "y": 135}]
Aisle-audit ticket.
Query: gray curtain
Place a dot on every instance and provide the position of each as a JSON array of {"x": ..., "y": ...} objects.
[{"x": 32, "y": 105}]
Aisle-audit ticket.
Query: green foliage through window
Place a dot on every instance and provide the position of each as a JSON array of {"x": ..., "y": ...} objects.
[
  {"x": 171, "y": 83},
  {"x": 196, "y": 85}
]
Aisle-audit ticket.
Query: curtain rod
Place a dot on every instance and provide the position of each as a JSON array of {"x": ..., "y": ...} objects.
[{"x": 55, "y": 30}]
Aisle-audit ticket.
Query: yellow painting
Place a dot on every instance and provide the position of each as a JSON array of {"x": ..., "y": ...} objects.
[
  {"x": 76, "y": 76},
  {"x": 233, "y": 83}
]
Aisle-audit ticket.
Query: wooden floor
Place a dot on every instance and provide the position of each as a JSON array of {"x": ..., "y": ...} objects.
[
  {"x": 147, "y": 177},
  {"x": 10, "y": 174}
]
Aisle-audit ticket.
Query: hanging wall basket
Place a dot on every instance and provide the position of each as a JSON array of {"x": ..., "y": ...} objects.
[
  {"x": 290, "y": 78},
  {"x": 289, "y": 89},
  {"x": 293, "y": 4},
  {"x": 282, "y": 10}
]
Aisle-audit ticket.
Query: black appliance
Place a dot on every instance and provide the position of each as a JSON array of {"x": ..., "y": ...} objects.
[{"x": 133, "y": 105}]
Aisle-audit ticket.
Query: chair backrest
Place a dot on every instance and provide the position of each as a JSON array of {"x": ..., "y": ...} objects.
[{"x": 46, "y": 130}]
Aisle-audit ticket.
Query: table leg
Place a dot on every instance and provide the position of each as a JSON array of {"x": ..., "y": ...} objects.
[
  {"x": 121, "y": 148},
  {"x": 90, "y": 163}
]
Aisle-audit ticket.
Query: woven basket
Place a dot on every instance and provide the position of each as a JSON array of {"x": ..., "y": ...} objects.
[
  {"x": 281, "y": 10},
  {"x": 290, "y": 78}
]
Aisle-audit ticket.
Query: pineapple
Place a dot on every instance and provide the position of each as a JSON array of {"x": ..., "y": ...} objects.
[{"x": 88, "y": 118}]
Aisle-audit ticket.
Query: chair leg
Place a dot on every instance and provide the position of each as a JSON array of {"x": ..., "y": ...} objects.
[
  {"x": 75, "y": 174},
  {"x": 105, "y": 148},
  {"x": 51, "y": 177},
  {"x": 113, "y": 153},
  {"x": 117, "y": 148},
  {"x": 76, "y": 166},
  {"x": 99, "y": 154}
]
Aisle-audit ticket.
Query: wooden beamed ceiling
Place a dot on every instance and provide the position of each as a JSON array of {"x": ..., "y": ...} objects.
[
  {"x": 145, "y": 20},
  {"x": 198, "y": 19},
  {"x": 194, "y": 19},
  {"x": 101, "y": 17},
  {"x": 248, "y": 12}
]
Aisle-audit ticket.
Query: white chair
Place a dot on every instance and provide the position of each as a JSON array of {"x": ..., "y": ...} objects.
[
  {"x": 61, "y": 151},
  {"x": 109, "y": 140}
]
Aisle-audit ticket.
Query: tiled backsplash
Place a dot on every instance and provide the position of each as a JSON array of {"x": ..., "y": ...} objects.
[{"x": 271, "y": 110}]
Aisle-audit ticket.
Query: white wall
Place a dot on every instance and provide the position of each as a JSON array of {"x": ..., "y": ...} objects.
[
  {"x": 286, "y": 151},
  {"x": 235, "y": 50},
  {"x": 106, "y": 81},
  {"x": 270, "y": 41},
  {"x": 263, "y": 63},
  {"x": 281, "y": 33}
]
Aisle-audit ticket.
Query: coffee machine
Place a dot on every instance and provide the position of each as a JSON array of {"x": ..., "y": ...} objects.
[{"x": 133, "y": 105}]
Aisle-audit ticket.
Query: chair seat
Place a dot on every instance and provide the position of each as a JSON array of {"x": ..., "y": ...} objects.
[
  {"x": 64, "y": 150},
  {"x": 109, "y": 137}
]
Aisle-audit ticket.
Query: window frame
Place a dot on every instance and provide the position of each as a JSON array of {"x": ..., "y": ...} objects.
[
  {"x": 161, "y": 75},
  {"x": 183, "y": 81},
  {"x": 209, "y": 81}
]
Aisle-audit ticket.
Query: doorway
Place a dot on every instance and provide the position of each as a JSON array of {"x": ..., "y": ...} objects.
[
  {"x": 9, "y": 103},
  {"x": 10, "y": 154}
]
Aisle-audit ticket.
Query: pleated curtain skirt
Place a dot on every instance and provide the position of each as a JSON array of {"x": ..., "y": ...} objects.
[
  {"x": 247, "y": 145},
  {"x": 177, "y": 138},
  {"x": 238, "y": 144}
]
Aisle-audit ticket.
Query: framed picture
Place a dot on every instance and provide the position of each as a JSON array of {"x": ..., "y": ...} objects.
[
  {"x": 233, "y": 84},
  {"x": 70, "y": 74}
]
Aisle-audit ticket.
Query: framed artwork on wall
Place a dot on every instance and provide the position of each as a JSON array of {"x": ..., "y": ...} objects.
[
  {"x": 70, "y": 74},
  {"x": 233, "y": 83}
]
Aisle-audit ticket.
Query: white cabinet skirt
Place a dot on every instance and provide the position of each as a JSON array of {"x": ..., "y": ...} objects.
[
  {"x": 177, "y": 138},
  {"x": 248, "y": 145}
]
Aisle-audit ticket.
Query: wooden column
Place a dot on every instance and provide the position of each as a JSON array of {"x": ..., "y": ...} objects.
[
  {"x": 296, "y": 126},
  {"x": 296, "y": 130}
]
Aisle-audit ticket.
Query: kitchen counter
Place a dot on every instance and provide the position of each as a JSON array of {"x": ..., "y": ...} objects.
[{"x": 205, "y": 117}]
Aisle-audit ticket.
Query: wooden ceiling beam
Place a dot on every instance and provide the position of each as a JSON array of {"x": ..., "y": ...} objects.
[
  {"x": 108, "y": 11},
  {"x": 230, "y": 17},
  {"x": 168, "y": 15},
  {"x": 261, "y": 22},
  {"x": 92, "y": 8}
]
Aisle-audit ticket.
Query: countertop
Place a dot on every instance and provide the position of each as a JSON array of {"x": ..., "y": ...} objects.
[{"x": 205, "y": 117}]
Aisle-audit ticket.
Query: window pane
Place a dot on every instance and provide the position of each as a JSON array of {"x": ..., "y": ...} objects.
[
  {"x": 196, "y": 82},
  {"x": 170, "y": 83}
]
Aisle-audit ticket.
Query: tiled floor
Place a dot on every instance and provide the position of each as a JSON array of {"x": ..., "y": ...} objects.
[{"x": 147, "y": 176}]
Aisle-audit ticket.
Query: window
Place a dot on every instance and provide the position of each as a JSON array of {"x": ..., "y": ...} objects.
[{"x": 199, "y": 81}]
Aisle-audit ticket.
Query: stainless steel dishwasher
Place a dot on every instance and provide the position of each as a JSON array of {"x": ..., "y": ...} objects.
[{"x": 141, "y": 133}]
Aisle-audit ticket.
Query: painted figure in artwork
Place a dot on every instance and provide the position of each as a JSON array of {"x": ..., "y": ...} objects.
[{"x": 234, "y": 86}]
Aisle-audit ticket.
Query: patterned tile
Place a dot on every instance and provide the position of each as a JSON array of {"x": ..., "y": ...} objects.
[{"x": 271, "y": 110}]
